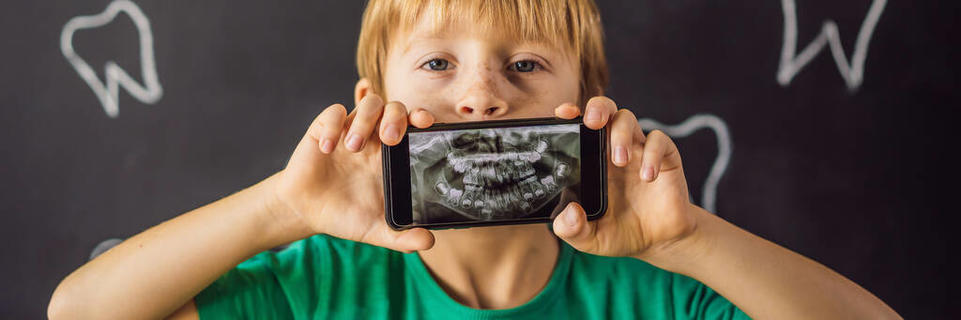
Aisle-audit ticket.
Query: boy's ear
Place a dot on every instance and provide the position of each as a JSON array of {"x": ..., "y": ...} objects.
[{"x": 361, "y": 90}]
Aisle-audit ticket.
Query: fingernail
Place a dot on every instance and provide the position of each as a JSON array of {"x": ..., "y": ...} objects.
[
  {"x": 570, "y": 217},
  {"x": 426, "y": 115},
  {"x": 354, "y": 142},
  {"x": 391, "y": 132},
  {"x": 620, "y": 155},
  {"x": 647, "y": 173},
  {"x": 327, "y": 146},
  {"x": 593, "y": 115}
]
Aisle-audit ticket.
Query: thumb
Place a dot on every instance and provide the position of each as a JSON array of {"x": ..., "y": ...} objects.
[{"x": 572, "y": 226}]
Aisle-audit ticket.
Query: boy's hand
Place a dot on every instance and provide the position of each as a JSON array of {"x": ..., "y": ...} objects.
[
  {"x": 648, "y": 207},
  {"x": 333, "y": 181}
]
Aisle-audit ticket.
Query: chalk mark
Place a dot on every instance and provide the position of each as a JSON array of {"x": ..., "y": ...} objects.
[
  {"x": 107, "y": 91},
  {"x": 852, "y": 73},
  {"x": 725, "y": 147}
]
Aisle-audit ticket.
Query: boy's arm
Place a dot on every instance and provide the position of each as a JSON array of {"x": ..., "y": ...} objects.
[
  {"x": 327, "y": 187},
  {"x": 765, "y": 280},
  {"x": 156, "y": 272},
  {"x": 650, "y": 217}
]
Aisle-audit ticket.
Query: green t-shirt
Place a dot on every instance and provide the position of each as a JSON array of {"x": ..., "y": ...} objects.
[{"x": 322, "y": 277}]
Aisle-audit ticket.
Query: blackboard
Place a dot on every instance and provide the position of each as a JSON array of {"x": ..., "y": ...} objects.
[{"x": 852, "y": 166}]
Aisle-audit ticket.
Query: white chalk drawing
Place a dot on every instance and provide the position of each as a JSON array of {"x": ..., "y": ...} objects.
[
  {"x": 103, "y": 246},
  {"x": 724, "y": 148},
  {"x": 853, "y": 72},
  {"x": 114, "y": 77}
]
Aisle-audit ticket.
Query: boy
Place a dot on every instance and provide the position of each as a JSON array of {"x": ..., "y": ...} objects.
[{"x": 451, "y": 61}]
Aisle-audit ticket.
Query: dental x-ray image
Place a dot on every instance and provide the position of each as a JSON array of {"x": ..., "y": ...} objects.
[{"x": 494, "y": 173}]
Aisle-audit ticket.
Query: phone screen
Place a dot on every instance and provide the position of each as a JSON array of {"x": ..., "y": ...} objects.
[{"x": 492, "y": 174}]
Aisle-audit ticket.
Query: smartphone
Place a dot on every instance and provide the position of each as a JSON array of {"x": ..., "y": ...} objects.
[{"x": 494, "y": 173}]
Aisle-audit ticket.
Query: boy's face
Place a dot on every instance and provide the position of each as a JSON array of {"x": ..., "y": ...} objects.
[{"x": 461, "y": 74}]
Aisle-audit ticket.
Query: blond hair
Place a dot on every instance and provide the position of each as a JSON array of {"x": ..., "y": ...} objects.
[{"x": 571, "y": 24}]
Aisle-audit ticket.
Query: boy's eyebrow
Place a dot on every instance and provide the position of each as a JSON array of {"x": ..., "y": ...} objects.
[
  {"x": 421, "y": 37},
  {"x": 410, "y": 44},
  {"x": 427, "y": 38}
]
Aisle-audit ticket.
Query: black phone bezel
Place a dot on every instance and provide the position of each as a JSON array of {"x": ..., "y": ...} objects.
[{"x": 396, "y": 173}]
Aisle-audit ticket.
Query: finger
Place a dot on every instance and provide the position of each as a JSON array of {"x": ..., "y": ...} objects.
[
  {"x": 567, "y": 111},
  {"x": 421, "y": 118},
  {"x": 406, "y": 240},
  {"x": 657, "y": 148},
  {"x": 572, "y": 226},
  {"x": 393, "y": 123},
  {"x": 328, "y": 126},
  {"x": 598, "y": 111},
  {"x": 366, "y": 115},
  {"x": 639, "y": 137},
  {"x": 623, "y": 130}
]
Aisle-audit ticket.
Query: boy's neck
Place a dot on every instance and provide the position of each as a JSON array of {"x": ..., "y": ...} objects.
[{"x": 493, "y": 267}]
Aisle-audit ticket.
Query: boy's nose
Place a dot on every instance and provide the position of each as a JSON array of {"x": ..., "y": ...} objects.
[
  {"x": 481, "y": 101},
  {"x": 481, "y": 108}
]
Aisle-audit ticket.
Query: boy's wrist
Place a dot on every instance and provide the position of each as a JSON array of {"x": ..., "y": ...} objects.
[
  {"x": 282, "y": 223},
  {"x": 685, "y": 254}
]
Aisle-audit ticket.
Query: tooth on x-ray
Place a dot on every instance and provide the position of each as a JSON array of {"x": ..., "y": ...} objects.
[
  {"x": 442, "y": 187},
  {"x": 460, "y": 166},
  {"x": 529, "y": 171},
  {"x": 549, "y": 182},
  {"x": 539, "y": 191},
  {"x": 471, "y": 179},
  {"x": 541, "y": 146},
  {"x": 525, "y": 206},
  {"x": 489, "y": 174},
  {"x": 562, "y": 170},
  {"x": 453, "y": 197}
]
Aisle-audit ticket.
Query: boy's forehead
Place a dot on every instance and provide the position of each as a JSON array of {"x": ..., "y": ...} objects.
[{"x": 426, "y": 31}]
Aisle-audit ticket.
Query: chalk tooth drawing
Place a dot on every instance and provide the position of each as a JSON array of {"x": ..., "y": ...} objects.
[
  {"x": 724, "y": 149},
  {"x": 852, "y": 73},
  {"x": 103, "y": 246},
  {"x": 114, "y": 76}
]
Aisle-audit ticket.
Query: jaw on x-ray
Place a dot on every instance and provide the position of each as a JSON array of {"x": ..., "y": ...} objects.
[{"x": 493, "y": 174}]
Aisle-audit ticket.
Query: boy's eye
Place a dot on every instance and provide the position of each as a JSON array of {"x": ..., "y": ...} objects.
[
  {"x": 438, "y": 64},
  {"x": 519, "y": 66},
  {"x": 524, "y": 66}
]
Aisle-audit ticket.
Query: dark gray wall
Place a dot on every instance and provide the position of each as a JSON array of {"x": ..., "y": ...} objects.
[{"x": 860, "y": 180}]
